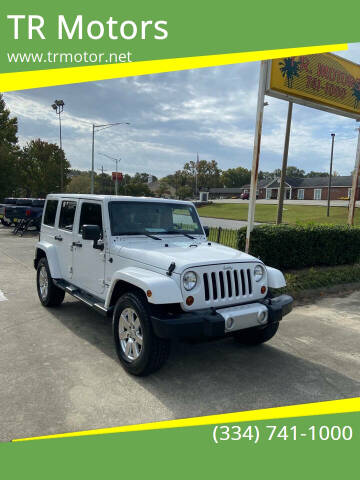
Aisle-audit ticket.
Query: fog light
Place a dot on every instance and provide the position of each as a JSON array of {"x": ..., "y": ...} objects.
[
  {"x": 263, "y": 289},
  {"x": 262, "y": 317},
  {"x": 229, "y": 323},
  {"x": 149, "y": 293},
  {"x": 189, "y": 301}
]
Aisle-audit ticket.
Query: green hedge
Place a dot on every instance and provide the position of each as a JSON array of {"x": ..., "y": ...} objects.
[{"x": 293, "y": 246}]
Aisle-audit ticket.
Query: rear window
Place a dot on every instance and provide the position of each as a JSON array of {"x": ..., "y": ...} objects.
[
  {"x": 50, "y": 212},
  {"x": 67, "y": 215}
]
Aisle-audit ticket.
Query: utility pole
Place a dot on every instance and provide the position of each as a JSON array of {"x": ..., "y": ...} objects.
[
  {"x": 58, "y": 106},
  {"x": 330, "y": 176},
  {"x": 116, "y": 179},
  {"x": 284, "y": 165},
  {"x": 102, "y": 176},
  {"x": 92, "y": 160},
  {"x": 352, "y": 203}
]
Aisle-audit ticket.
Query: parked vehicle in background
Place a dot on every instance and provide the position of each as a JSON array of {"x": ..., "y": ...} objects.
[
  {"x": 244, "y": 196},
  {"x": 9, "y": 203},
  {"x": 29, "y": 217},
  {"x": 147, "y": 263},
  {"x": 22, "y": 212},
  {"x": 11, "y": 208}
]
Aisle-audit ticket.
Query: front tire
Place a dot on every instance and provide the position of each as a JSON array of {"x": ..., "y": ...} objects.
[
  {"x": 49, "y": 294},
  {"x": 139, "y": 350},
  {"x": 257, "y": 336}
]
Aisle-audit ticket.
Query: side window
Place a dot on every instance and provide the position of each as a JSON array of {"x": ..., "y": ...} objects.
[
  {"x": 67, "y": 215},
  {"x": 50, "y": 212},
  {"x": 90, "y": 215}
]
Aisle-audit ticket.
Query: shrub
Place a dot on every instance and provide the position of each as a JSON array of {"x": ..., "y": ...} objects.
[{"x": 296, "y": 246}]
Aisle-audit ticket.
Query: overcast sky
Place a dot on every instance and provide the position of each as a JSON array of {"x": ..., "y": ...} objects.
[{"x": 175, "y": 115}]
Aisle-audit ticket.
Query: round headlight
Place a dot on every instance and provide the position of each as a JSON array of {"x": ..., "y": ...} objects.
[
  {"x": 258, "y": 273},
  {"x": 189, "y": 280}
]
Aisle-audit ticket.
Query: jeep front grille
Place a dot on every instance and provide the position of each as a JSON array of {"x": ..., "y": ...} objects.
[{"x": 227, "y": 284}]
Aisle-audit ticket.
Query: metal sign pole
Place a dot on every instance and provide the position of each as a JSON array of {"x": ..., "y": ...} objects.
[
  {"x": 330, "y": 176},
  {"x": 354, "y": 188},
  {"x": 256, "y": 154},
  {"x": 284, "y": 165}
]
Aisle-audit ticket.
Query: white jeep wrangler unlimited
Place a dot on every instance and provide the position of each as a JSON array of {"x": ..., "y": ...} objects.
[{"x": 148, "y": 264}]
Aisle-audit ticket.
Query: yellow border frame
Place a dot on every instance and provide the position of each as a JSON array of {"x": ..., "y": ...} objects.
[
  {"x": 304, "y": 410},
  {"x": 64, "y": 76}
]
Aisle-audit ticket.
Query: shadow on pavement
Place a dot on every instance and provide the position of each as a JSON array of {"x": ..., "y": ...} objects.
[{"x": 222, "y": 376}]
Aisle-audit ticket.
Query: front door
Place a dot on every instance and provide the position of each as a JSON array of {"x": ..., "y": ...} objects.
[
  {"x": 64, "y": 237},
  {"x": 88, "y": 262}
]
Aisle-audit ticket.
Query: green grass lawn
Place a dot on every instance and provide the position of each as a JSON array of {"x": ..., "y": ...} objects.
[{"x": 267, "y": 213}]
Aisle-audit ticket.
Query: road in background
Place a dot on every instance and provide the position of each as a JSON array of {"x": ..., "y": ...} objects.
[
  {"x": 320, "y": 203},
  {"x": 59, "y": 371},
  {"x": 224, "y": 223}
]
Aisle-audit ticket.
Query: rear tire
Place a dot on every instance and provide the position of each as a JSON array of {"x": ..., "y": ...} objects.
[
  {"x": 139, "y": 350},
  {"x": 257, "y": 336},
  {"x": 49, "y": 294}
]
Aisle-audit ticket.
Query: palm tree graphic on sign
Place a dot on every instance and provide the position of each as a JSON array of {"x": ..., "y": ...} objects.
[
  {"x": 356, "y": 94},
  {"x": 289, "y": 68}
]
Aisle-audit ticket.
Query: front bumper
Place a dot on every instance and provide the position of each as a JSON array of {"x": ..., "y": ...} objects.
[{"x": 215, "y": 323}]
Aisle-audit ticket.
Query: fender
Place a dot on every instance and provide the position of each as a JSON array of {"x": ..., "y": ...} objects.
[
  {"x": 164, "y": 289},
  {"x": 52, "y": 258},
  {"x": 275, "y": 278}
]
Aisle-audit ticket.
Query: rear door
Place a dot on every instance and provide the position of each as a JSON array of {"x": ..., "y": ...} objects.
[
  {"x": 64, "y": 237},
  {"x": 88, "y": 262}
]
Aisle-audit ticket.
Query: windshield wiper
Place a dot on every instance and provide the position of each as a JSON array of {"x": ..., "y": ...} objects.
[
  {"x": 140, "y": 233},
  {"x": 151, "y": 236},
  {"x": 174, "y": 232}
]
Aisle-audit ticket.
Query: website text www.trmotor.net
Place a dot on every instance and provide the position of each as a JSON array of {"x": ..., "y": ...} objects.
[{"x": 68, "y": 58}]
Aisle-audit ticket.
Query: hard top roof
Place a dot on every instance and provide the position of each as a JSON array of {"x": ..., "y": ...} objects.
[{"x": 113, "y": 198}]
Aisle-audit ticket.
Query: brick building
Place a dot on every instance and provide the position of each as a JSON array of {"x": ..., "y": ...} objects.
[{"x": 313, "y": 188}]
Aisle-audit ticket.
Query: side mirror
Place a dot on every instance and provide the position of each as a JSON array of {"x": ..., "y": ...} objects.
[
  {"x": 206, "y": 230},
  {"x": 92, "y": 232}
]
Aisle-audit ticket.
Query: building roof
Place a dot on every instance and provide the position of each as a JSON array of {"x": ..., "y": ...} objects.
[
  {"x": 314, "y": 182},
  {"x": 310, "y": 182}
]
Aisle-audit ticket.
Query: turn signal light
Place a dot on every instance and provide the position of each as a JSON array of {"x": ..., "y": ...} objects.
[
  {"x": 263, "y": 289},
  {"x": 149, "y": 293},
  {"x": 189, "y": 301}
]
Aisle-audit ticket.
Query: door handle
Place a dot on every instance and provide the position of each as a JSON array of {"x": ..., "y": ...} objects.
[
  {"x": 58, "y": 237},
  {"x": 76, "y": 244}
]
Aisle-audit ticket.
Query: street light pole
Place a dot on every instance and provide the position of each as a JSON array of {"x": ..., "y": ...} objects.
[
  {"x": 58, "y": 106},
  {"x": 330, "y": 176},
  {"x": 101, "y": 127}
]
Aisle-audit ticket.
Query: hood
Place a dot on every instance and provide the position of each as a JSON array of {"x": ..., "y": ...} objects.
[{"x": 185, "y": 253}]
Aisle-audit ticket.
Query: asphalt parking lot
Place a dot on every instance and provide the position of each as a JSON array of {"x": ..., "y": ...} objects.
[{"x": 59, "y": 372}]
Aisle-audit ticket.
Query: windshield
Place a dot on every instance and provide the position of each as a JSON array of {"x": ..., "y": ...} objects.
[{"x": 143, "y": 218}]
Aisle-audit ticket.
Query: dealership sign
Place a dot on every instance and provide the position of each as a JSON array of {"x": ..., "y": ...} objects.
[{"x": 324, "y": 81}]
